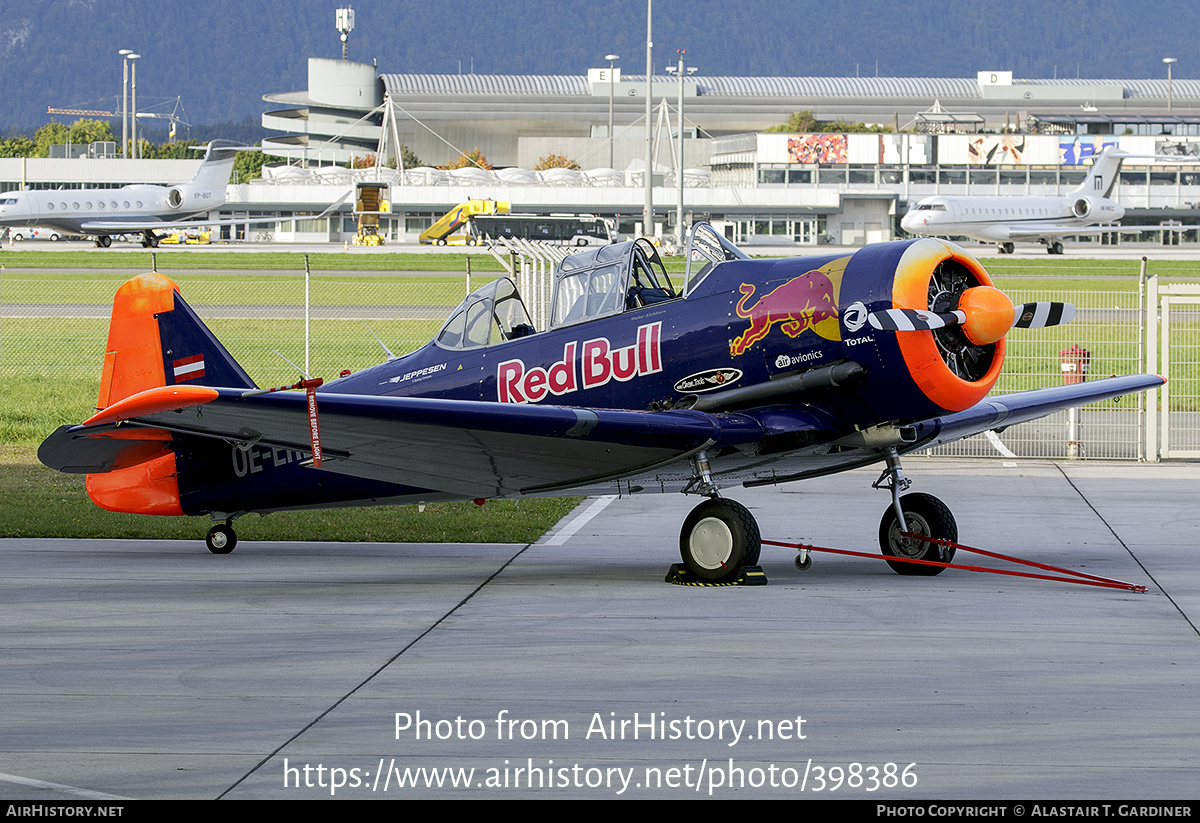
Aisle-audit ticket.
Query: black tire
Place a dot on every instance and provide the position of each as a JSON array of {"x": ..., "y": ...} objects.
[
  {"x": 54, "y": 238},
  {"x": 18, "y": 237},
  {"x": 718, "y": 538},
  {"x": 926, "y": 515},
  {"x": 221, "y": 539},
  {"x": 1007, "y": 248},
  {"x": 105, "y": 242},
  {"x": 802, "y": 565}
]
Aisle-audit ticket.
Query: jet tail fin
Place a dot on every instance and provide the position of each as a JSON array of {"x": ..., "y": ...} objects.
[
  {"x": 217, "y": 165},
  {"x": 156, "y": 339},
  {"x": 1102, "y": 176}
]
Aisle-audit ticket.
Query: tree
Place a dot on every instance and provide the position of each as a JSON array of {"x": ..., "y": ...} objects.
[
  {"x": 798, "y": 121},
  {"x": 556, "y": 161},
  {"x": 19, "y": 146},
  {"x": 248, "y": 165},
  {"x": 474, "y": 157},
  {"x": 803, "y": 122}
]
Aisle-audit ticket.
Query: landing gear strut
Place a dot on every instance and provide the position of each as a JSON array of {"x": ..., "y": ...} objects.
[
  {"x": 919, "y": 513},
  {"x": 149, "y": 240},
  {"x": 221, "y": 539}
]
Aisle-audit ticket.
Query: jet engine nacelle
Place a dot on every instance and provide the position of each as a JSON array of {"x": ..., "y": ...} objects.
[
  {"x": 1082, "y": 207},
  {"x": 915, "y": 374}
]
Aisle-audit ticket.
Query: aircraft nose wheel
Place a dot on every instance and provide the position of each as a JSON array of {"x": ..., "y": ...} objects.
[
  {"x": 926, "y": 515},
  {"x": 719, "y": 537},
  {"x": 221, "y": 539}
]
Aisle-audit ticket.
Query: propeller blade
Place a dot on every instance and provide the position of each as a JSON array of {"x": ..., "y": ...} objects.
[
  {"x": 913, "y": 319},
  {"x": 1042, "y": 314}
]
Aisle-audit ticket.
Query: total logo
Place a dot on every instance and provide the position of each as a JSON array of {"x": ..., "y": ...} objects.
[{"x": 598, "y": 363}]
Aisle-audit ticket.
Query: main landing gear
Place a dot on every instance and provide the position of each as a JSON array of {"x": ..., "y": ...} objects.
[
  {"x": 1054, "y": 247},
  {"x": 103, "y": 241},
  {"x": 921, "y": 514},
  {"x": 221, "y": 539},
  {"x": 149, "y": 240},
  {"x": 720, "y": 537}
]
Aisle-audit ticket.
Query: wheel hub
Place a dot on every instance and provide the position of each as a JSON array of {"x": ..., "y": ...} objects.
[
  {"x": 906, "y": 546},
  {"x": 711, "y": 543}
]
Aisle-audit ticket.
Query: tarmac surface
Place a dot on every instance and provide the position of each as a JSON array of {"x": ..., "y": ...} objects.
[{"x": 142, "y": 669}]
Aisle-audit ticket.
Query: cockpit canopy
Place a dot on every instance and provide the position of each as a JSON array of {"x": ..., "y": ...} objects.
[
  {"x": 608, "y": 280},
  {"x": 487, "y": 316}
]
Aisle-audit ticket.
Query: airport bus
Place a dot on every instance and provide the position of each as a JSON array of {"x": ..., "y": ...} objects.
[{"x": 560, "y": 229}]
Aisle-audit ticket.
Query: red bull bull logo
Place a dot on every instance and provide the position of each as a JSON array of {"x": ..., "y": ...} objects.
[{"x": 804, "y": 302}]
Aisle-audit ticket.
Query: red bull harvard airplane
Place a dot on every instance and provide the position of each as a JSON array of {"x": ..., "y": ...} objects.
[{"x": 749, "y": 372}]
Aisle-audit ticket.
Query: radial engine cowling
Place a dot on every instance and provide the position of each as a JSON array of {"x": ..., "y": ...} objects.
[{"x": 918, "y": 374}]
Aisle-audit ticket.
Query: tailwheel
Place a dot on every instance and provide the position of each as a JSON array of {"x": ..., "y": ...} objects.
[
  {"x": 718, "y": 539},
  {"x": 926, "y": 516},
  {"x": 221, "y": 539}
]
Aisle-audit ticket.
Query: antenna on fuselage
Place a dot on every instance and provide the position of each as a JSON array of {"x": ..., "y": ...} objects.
[{"x": 382, "y": 345}]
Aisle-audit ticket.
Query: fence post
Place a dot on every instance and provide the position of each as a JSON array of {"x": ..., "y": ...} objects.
[
  {"x": 1150, "y": 348},
  {"x": 306, "y": 304}
]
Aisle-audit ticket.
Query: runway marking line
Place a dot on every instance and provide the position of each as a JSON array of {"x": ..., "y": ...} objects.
[
  {"x": 59, "y": 787},
  {"x": 580, "y": 520}
]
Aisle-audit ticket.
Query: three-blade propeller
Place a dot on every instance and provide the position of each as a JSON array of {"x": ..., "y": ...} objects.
[{"x": 985, "y": 315}]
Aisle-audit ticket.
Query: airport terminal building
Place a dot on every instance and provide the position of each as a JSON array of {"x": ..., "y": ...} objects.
[{"x": 991, "y": 134}]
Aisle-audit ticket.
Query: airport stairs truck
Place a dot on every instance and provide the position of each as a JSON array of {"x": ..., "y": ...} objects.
[{"x": 458, "y": 218}]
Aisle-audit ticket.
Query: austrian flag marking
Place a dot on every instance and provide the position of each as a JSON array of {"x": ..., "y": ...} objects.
[
  {"x": 188, "y": 368},
  {"x": 598, "y": 363}
]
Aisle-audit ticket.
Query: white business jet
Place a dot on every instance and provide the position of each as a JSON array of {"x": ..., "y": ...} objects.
[
  {"x": 1004, "y": 220},
  {"x": 101, "y": 213}
]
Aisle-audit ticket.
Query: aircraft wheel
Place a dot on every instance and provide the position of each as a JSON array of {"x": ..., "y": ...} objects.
[
  {"x": 926, "y": 515},
  {"x": 719, "y": 537},
  {"x": 221, "y": 539},
  {"x": 1007, "y": 248},
  {"x": 105, "y": 241},
  {"x": 802, "y": 563}
]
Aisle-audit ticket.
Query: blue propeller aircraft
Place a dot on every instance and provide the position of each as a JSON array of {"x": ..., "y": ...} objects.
[{"x": 749, "y": 372}]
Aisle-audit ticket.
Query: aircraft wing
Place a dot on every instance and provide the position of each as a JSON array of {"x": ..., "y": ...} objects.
[
  {"x": 120, "y": 226},
  {"x": 1004, "y": 410},
  {"x": 470, "y": 449},
  {"x": 484, "y": 449},
  {"x": 1034, "y": 234}
]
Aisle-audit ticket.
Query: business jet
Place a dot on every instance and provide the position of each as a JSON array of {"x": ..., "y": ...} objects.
[
  {"x": 101, "y": 213},
  {"x": 1003, "y": 220}
]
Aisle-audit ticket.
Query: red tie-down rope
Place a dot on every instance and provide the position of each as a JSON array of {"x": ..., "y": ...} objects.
[{"x": 1072, "y": 576}]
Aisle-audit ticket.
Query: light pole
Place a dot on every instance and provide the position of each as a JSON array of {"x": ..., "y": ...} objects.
[
  {"x": 648, "y": 204},
  {"x": 133, "y": 114},
  {"x": 611, "y": 82},
  {"x": 125, "y": 101},
  {"x": 1169, "y": 61},
  {"x": 681, "y": 71}
]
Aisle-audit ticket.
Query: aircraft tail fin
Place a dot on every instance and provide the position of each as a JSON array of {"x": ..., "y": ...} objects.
[
  {"x": 217, "y": 165},
  {"x": 1102, "y": 176},
  {"x": 156, "y": 339}
]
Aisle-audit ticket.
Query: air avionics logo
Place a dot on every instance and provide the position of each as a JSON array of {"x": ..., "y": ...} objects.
[
  {"x": 598, "y": 364},
  {"x": 809, "y": 301}
]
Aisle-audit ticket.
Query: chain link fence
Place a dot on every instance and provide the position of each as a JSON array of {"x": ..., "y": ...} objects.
[{"x": 55, "y": 326}]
